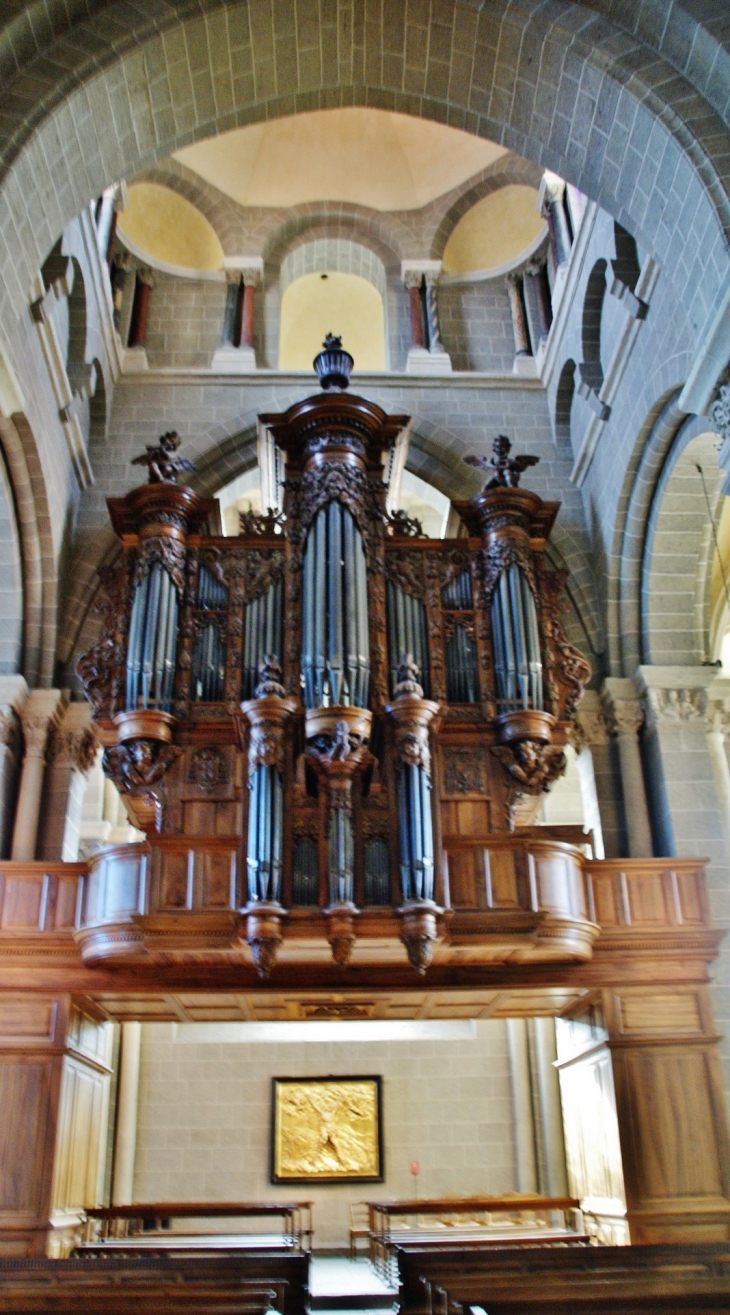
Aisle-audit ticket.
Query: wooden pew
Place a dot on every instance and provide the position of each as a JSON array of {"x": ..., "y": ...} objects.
[
  {"x": 110, "y": 1223},
  {"x": 115, "y": 1284},
  {"x": 544, "y": 1219},
  {"x": 672, "y": 1279},
  {"x": 157, "y": 1285}
]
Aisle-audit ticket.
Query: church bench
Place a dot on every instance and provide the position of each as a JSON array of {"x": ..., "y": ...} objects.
[
  {"x": 122, "y": 1221},
  {"x": 565, "y": 1280},
  {"x": 149, "y": 1286},
  {"x": 470, "y": 1220}
]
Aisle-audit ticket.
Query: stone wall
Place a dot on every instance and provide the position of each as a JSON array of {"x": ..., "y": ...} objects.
[
  {"x": 205, "y": 1117},
  {"x": 185, "y": 322},
  {"x": 476, "y": 325}
]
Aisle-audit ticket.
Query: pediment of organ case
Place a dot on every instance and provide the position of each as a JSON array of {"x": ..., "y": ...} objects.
[{"x": 330, "y": 726}]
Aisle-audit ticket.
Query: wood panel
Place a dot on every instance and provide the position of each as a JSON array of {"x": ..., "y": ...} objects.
[
  {"x": 592, "y": 1143},
  {"x": 26, "y": 1127}
]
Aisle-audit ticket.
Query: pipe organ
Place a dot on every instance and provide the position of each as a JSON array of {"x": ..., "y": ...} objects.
[{"x": 327, "y": 726}]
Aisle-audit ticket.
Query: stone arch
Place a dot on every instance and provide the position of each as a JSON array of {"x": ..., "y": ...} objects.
[
  {"x": 332, "y": 254},
  {"x": 33, "y": 520},
  {"x": 508, "y": 170},
  {"x": 242, "y": 73},
  {"x": 678, "y": 550},
  {"x": 11, "y": 572}
]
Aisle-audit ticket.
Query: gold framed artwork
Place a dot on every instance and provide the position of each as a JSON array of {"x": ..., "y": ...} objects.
[{"x": 326, "y": 1130}]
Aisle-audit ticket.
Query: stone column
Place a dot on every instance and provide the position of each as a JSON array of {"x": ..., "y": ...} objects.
[
  {"x": 537, "y": 299},
  {"x": 125, "y": 1138},
  {"x": 140, "y": 309},
  {"x": 13, "y": 693},
  {"x": 106, "y": 222},
  {"x": 519, "y": 1063},
  {"x": 592, "y": 736},
  {"x": 72, "y": 753},
  {"x": 39, "y": 716},
  {"x": 519, "y": 321},
  {"x": 250, "y": 284},
  {"x": 413, "y": 280},
  {"x": 625, "y": 717},
  {"x": 524, "y": 362},
  {"x": 551, "y": 1113},
  {"x": 424, "y": 357},
  {"x": 552, "y": 206},
  {"x": 236, "y": 354},
  {"x": 718, "y": 724}
]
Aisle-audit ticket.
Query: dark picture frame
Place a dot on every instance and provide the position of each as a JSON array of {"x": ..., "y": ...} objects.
[{"x": 350, "y": 1129}]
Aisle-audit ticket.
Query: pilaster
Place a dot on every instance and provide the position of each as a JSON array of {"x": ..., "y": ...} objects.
[
  {"x": 71, "y": 755},
  {"x": 624, "y": 714},
  {"x": 40, "y": 714}
]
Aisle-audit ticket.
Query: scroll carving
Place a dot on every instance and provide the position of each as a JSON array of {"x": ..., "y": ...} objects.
[
  {"x": 362, "y": 495},
  {"x": 101, "y": 668}
]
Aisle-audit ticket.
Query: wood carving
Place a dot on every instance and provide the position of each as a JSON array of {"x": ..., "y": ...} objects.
[
  {"x": 101, "y": 668},
  {"x": 162, "y": 463},
  {"x": 208, "y": 768},
  {"x": 465, "y": 771},
  {"x": 532, "y": 766}
]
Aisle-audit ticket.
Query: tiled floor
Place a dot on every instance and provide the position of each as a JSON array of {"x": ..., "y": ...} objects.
[{"x": 338, "y": 1277}]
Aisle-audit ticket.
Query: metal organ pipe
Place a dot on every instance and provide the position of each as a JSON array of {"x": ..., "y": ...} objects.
[
  {"x": 265, "y": 834},
  {"x": 407, "y": 633},
  {"x": 415, "y": 824},
  {"x": 262, "y": 635},
  {"x": 152, "y": 641},
  {"x": 335, "y": 629},
  {"x": 516, "y": 642},
  {"x": 341, "y": 856}
]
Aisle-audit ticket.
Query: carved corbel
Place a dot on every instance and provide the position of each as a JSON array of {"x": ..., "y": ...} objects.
[
  {"x": 267, "y": 715},
  {"x": 138, "y": 768}
]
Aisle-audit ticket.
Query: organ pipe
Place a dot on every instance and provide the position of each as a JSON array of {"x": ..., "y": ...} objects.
[
  {"x": 151, "y": 650},
  {"x": 265, "y": 834},
  {"x": 341, "y": 857},
  {"x": 262, "y": 635},
  {"x": 516, "y": 642},
  {"x": 335, "y": 630},
  {"x": 407, "y": 633},
  {"x": 415, "y": 832}
]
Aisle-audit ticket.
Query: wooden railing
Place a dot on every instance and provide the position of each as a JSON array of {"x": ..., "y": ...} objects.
[
  {"x": 151, "y": 1221},
  {"x": 529, "y": 888}
]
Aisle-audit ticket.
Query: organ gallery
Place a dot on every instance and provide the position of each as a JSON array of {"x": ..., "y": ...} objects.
[
  {"x": 364, "y": 658},
  {"x": 330, "y": 727}
]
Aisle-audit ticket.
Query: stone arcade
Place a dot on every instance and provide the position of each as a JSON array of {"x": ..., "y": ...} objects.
[{"x": 372, "y": 720}]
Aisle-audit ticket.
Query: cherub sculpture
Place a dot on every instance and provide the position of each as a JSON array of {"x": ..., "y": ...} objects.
[
  {"x": 506, "y": 469},
  {"x": 164, "y": 467}
]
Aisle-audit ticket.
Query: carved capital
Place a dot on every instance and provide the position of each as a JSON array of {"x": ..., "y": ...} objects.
[
  {"x": 251, "y": 276},
  {"x": 675, "y": 705},
  {"x": 591, "y": 726},
  {"x": 719, "y": 412},
  {"x": 146, "y": 276},
  {"x": 36, "y": 729},
  {"x": 74, "y": 747},
  {"x": 717, "y": 716},
  {"x": 624, "y": 714},
  {"x": 9, "y": 728},
  {"x": 535, "y": 266},
  {"x": 412, "y": 278}
]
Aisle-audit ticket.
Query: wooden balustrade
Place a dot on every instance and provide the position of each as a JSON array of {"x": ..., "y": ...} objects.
[{"x": 538, "y": 899}]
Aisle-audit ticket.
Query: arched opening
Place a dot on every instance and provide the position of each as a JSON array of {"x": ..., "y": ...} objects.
[
  {"x": 344, "y": 304},
  {"x": 592, "y": 365}
]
